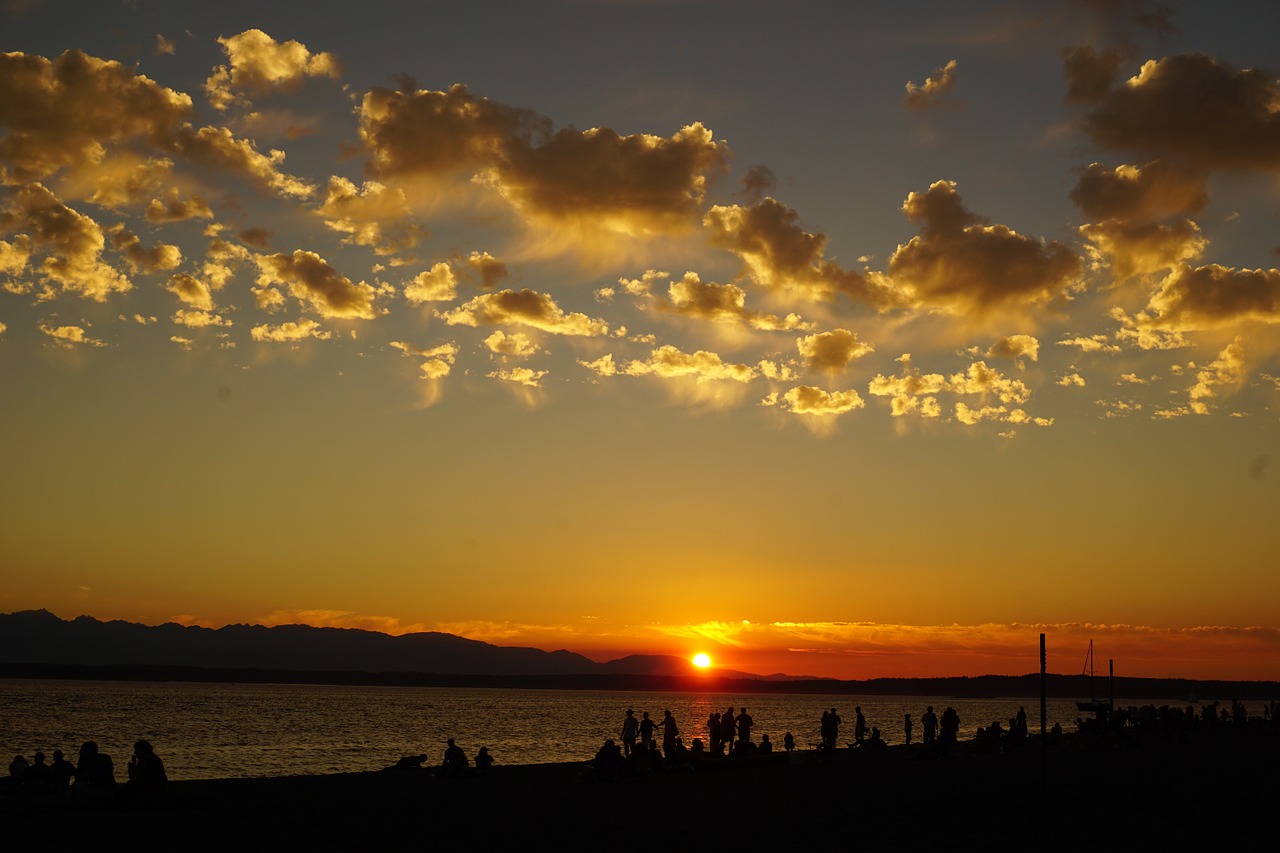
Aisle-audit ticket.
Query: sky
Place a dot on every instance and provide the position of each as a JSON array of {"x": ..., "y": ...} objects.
[{"x": 826, "y": 338}]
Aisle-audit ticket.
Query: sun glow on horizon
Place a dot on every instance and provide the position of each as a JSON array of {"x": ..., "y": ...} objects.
[{"x": 702, "y": 660}]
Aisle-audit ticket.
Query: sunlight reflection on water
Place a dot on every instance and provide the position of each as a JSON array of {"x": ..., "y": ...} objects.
[{"x": 209, "y": 731}]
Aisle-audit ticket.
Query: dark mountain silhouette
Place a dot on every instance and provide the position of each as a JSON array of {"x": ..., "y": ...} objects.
[{"x": 40, "y": 637}]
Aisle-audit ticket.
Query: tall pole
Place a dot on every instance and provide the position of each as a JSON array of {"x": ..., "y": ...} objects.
[{"x": 1044, "y": 720}]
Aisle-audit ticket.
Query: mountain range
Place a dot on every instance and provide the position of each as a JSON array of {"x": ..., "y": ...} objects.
[{"x": 40, "y": 637}]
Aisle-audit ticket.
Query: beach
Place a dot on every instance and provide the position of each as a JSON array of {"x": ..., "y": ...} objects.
[{"x": 1131, "y": 791}]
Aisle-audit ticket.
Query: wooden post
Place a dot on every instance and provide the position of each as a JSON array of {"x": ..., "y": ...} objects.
[{"x": 1044, "y": 720}]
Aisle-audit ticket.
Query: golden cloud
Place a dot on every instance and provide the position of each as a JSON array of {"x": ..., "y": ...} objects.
[
  {"x": 959, "y": 263},
  {"x": 371, "y": 215},
  {"x": 174, "y": 208},
  {"x": 75, "y": 243},
  {"x": 915, "y": 392},
  {"x": 926, "y": 94},
  {"x": 668, "y": 362},
  {"x": 1015, "y": 347},
  {"x": 520, "y": 376},
  {"x": 160, "y": 257},
  {"x": 524, "y": 307},
  {"x": 1193, "y": 109},
  {"x": 778, "y": 253},
  {"x": 515, "y": 345},
  {"x": 832, "y": 351},
  {"x": 491, "y": 270},
  {"x": 692, "y": 297},
  {"x": 70, "y": 336},
  {"x": 290, "y": 332},
  {"x": 808, "y": 400},
  {"x": 198, "y": 319},
  {"x": 259, "y": 64},
  {"x": 438, "y": 361},
  {"x": 437, "y": 284},
  {"x": 1135, "y": 250},
  {"x": 312, "y": 281},
  {"x": 1140, "y": 193},
  {"x": 1211, "y": 297},
  {"x": 637, "y": 184}
]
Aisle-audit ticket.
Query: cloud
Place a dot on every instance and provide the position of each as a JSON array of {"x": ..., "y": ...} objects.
[
  {"x": 1015, "y": 347},
  {"x": 1213, "y": 297},
  {"x": 637, "y": 184},
  {"x": 1072, "y": 380},
  {"x": 74, "y": 242},
  {"x": 915, "y": 392},
  {"x": 437, "y": 284},
  {"x": 669, "y": 362},
  {"x": 61, "y": 113},
  {"x": 757, "y": 181},
  {"x": 778, "y": 253},
  {"x": 437, "y": 361},
  {"x": 312, "y": 281},
  {"x": 1136, "y": 250},
  {"x": 524, "y": 307},
  {"x": 961, "y": 264},
  {"x": 491, "y": 270},
  {"x": 928, "y": 93},
  {"x": 1093, "y": 343},
  {"x": 174, "y": 208},
  {"x": 520, "y": 376},
  {"x": 1090, "y": 73},
  {"x": 692, "y": 297},
  {"x": 290, "y": 332},
  {"x": 70, "y": 336},
  {"x": 970, "y": 417},
  {"x": 808, "y": 400},
  {"x": 1226, "y": 370},
  {"x": 158, "y": 258},
  {"x": 516, "y": 345},
  {"x": 1147, "y": 193},
  {"x": 372, "y": 215},
  {"x": 258, "y": 64},
  {"x": 216, "y": 147},
  {"x": 1193, "y": 109},
  {"x": 832, "y": 351}
]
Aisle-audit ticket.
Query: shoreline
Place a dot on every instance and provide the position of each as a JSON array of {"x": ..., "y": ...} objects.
[{"x": 1135, "y": 789}]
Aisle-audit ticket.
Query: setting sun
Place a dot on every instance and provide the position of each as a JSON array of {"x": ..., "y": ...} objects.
[{"x": 701, "y": 660}]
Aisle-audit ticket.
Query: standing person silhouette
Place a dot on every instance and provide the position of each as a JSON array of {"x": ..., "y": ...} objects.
[
  {"x": 930, "y": 721},
  {"x": 669, "y": 732},
  {"x": 646, "y": 730},
  {"x": 630, "y": 729},
  {"x": 906, "y": 727},
  {"x": 713, "y": 733},
  {"x": 726, "y": 728},
  {"x": 744, "y": 727},
  {"x": 859, "y": 725},
  {"x": 834, "y": 721}
]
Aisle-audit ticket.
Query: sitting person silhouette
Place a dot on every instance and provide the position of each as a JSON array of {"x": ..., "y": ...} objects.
[
  {"x": 484, "y": 761},
  {"x": 455, "y": 761},
  {"x": 146, "y": 770}
]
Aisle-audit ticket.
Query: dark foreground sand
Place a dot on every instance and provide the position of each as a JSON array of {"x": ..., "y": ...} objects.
[{"x": 1213, "y": 790}]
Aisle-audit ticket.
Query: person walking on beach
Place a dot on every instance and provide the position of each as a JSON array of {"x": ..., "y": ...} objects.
[
  {"x": 630, "y": 729},
  {"x": 930, "y": 721},
  {"x": 646, "y": 730}
]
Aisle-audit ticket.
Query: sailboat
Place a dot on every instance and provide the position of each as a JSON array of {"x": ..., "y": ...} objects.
[{"x": 1094, "y": 705}]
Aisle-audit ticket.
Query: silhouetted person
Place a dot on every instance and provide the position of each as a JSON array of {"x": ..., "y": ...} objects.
[
  {"x": 630, "y": 730},
  {"x": 906, "y": 728},
  {"x": 1022, "y": 721},
  {"x": 833, "y": 720},
  {"x": 744, "y": 726},
  {"x": 17, "y": 773},
  {"x": 875, "y": 740},
  {"x": 765, "y": 745},
  {"x": 95, "y": 772},
  {"x": 61, "y": 771},
  {"x": 727, "y": 728},
  {"x": 646, "y": 730},
  {"x": 455, "y": 761},
  {"x": 483, "y": 761},
  {"x": 146, "y": 770},
  {"x": 950, "y": 728},
  {"x": 859, "y": 725},
  {"x": 669, "y": 732},
  {"x": 930, "y": 723},
  {"x": 608, "y": 761},
  {"x": 713, "y": 733},
  {"x": 410, "y": 762},
  {"x": 788, "y": 742}
]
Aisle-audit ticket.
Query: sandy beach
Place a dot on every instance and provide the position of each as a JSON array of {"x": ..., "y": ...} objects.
[{"x": 1135, "y": 792}]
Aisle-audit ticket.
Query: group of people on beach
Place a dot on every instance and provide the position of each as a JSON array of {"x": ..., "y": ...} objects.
[{"x": 93, "y": 774}]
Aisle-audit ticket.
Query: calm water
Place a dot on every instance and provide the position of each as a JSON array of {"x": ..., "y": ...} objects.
[{"x": 210, "y": 731}]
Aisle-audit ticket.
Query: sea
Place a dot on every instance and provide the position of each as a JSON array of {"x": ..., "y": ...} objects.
[{"x": 218, "y": 731}]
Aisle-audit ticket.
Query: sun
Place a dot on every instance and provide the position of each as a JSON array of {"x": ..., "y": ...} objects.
[{"x": 701, "y": 660}]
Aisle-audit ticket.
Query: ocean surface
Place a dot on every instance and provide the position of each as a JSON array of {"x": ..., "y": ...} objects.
[{"x": 214, "y": 731}]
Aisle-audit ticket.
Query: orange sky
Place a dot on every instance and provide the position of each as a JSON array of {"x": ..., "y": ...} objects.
[{"x": 824, "y": 339}]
